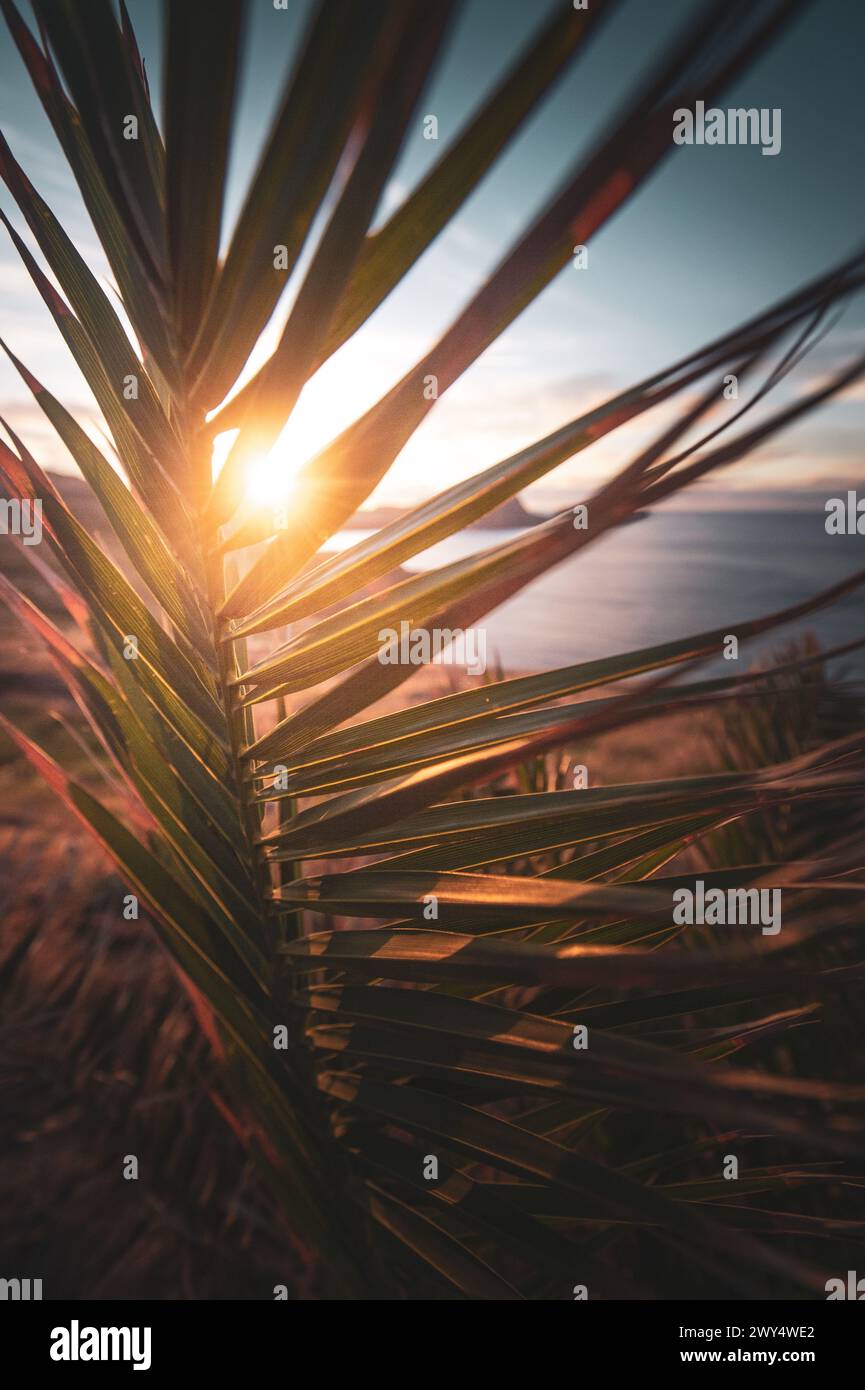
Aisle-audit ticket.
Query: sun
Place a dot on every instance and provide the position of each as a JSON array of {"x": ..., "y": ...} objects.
[
  {"x": 333, "y": 398},
  {"x": 271, "y": 478},
  {"x": 270, "y": 481}
]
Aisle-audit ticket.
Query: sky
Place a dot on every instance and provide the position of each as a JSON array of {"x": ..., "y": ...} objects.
[{"x": 716, "y": 234}]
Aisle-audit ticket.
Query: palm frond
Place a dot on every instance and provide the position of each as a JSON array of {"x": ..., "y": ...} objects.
[{"x": 446, "y": 1030}]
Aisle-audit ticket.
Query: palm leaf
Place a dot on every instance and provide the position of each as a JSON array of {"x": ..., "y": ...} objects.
[{"x": 443, "y": 1025}]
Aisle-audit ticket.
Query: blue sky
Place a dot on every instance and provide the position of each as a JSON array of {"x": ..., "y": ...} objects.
[{"x": 715, "y": 234}]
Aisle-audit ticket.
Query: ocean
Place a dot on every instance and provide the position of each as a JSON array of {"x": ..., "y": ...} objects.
[{"x": 668, "y": 575}]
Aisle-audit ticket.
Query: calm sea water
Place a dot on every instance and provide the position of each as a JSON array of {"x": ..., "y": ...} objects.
[{"x": 668, "y": 575}]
